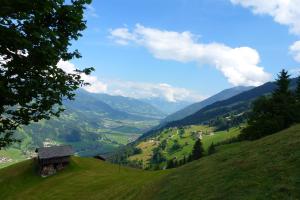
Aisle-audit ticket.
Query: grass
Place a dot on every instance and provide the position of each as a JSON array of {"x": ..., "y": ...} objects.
[
  {"x": 264, "y": 169},
  {"x": 220, "y": 136},
  {"x": 186, "y": 141},
  {"x": 85, "y": 178},
  {"x": 13, "y": 154}
]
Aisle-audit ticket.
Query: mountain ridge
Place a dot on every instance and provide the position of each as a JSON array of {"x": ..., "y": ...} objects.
[
  {"x": 237, "y": 104},
  {"x": 191, "y": 109}
]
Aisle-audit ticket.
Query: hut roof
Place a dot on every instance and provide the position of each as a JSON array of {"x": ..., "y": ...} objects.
[
  {"x": 100, "y": 157},
  {"x": 54, "y": 151}
]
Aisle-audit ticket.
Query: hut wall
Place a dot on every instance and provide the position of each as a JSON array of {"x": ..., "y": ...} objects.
[{"x": 56, "y": 160}]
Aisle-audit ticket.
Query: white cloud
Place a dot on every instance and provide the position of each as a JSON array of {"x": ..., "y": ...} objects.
[
  {"x": 121, "y": 36},
  {"x": 295, "y": 50},
  {"x": 140, "y": 90},
  {"x": 91, "y": 11},
  {"x": 131, "y": 89},
  {"x": 286, "y": 12},
  {"x": 239, "y": 65},
  {"x": 95, "y": 86}
]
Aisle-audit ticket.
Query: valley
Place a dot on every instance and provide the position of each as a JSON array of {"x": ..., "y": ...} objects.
[
  {"x": 93, "y": 124},
  {"x": 150, "y": 100},
  {"x": 234, "y": 172}
]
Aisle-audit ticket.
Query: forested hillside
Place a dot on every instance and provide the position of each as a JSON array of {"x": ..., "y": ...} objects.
[{"x": 191, "y": 109}]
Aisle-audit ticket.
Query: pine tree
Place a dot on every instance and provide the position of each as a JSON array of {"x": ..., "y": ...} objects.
[
  {"x": 297, "y": 99},
  {"x": 170, "y": 164},
  {"x": 273, "y": 113},
  {"x": 211, "y": 149},
  {"x": 283, "y": 100},
  {"x": 197, "y": 150},
  {"x": 283, "y": 83},
  {"x": 184, "y": 160},
  {"x": 176, "y": 164},
  {"x": 297, "y": 93}
]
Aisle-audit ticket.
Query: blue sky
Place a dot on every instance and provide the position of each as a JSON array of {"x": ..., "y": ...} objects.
[{"x": 123, "y": 42}]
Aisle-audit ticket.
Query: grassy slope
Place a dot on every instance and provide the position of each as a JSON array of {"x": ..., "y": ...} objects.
[
  {"x": 14, "y": 155},
  {"x": 263, "y": 169},
  {"x": 186, "y": 142}
]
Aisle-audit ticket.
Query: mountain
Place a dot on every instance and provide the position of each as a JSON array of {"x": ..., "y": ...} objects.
[
  {"x": 234, "y": 108},
  {"x": 165, "y": 106},
  {"x": 263, "y": 169},
  {"x": 191, "y": 109},
  {"x": 131, "y": 106},
  {"x": 93, "y": 124}
]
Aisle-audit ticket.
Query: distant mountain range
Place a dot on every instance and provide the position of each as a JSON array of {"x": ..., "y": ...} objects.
[
  {"x": 191, "y": 109},
  {"x": 234, "y": 105},
  {"x": 127, "y": 105},
  {"x": 165, "y": 106},
  {"x": 93, "y": 123}
]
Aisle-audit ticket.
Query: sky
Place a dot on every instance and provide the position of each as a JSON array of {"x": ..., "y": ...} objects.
[{"x": 186, "y": 50}]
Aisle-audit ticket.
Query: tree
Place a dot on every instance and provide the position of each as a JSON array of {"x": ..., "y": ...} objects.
[
  {"x": 197, "y": 150},
  {"x": 184, "y": 160},
  {"x": 34, "y": 37},
  {"x": 283, "y": 100},
  {"x": 297, "y": 93},
  {"x": 211, "y": 149},
  {"x": 170, "y": 164},
  {"x": 274, "y": 113},
  {"x": 175, "y": 147},
  {"x": 297, "y": 99},
  {"x": 157, "y": 156}
]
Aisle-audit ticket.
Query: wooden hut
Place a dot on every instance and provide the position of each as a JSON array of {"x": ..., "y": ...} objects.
[
  {"x": 100, "y": 157},
  {"x": 52, "y": 159}
]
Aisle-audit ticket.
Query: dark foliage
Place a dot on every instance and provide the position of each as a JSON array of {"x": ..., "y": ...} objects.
[
  {"x": 157, "y": 156},
  {"x": 175, "y": 147},
  {"x": 34, "y": 36},
  {"x": 273, "y": 113},
  {"x": 211, "y": 149},
  {"x": 197, "y": 150}
]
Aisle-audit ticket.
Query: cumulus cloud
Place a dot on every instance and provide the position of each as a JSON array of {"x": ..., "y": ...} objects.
[
  {"x": 295, "y": 50},
  {"x": 140, "y": 90},
  {"x": 96, "y": 86},
  {"x": 121, "y": 36},
  {"x": 132, "y": 89},
  {"x": 239, "y": 65},
  {"x": 286, "y": 12}
]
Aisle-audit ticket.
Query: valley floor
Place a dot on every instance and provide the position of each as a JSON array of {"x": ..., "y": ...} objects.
[{"x": 264, "y": 169}]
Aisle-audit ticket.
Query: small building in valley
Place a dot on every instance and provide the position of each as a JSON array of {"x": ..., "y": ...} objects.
[
  {"x": 100, "y": 157},
  {"x": 53, "y": 159}
]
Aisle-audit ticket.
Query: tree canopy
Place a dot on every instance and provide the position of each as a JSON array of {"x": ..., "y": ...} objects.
[
  {"x": 34, "y": 36},
  {"x": 273, "y": 113},
  {"x": 197, "y": 150}
]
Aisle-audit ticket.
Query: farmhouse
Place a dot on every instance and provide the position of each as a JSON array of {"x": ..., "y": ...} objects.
[
  {"x": 53, "y": 159},
  {"x": 100, "y": 157}
]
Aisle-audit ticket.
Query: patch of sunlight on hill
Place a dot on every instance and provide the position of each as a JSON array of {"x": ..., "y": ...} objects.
[{"x": 185, "y": 139}]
